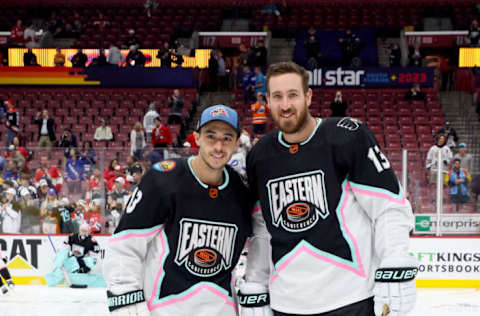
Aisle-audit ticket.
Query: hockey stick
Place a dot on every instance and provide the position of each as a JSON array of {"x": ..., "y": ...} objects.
[
  {"x": 385, "y": 310},
  {"x": 68, "y": 282}
]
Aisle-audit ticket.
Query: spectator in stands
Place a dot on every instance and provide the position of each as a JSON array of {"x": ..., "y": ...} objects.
[
  {"x": 137, "y": 141},
  {"x": 10, "y": 213},
  {"x": 243, "y": 55},
  {"x": 30, "y": 36},
  {"x": 68, "y": 139},
  {"x": 446, "y": 70},
  {"x": 25, "y": 184},
  {"x": 222, "y": 72},
  {"x": 74, "y": 173},
  {"x": 115, "y": 57},
  {"x": 79, "y": 60},
  {"x": 161, "y": 135},
  {"x": 351, "y": 46},
  {"x": 42, "y": 190},
  {"x": 11, "y": 173},
  {"x": 474, "y": 33},
  {"x": 259, "y": 115},
  {"x": 77, "y": 24},
  {"x": 118, "y": 173},
  {"x": 101, "y": 22},
  {"x": 466, "y": 159},
  {"x": 148, "y": 120},
  {"x": 47, "y": 212},
  {"x": 415, "y": 56},
  {"x": 165, "y": 55},
  {"x": 50, "y": 174},
  {"x": 150, "y": 7},
  {"x": 312, "y": 46},
  {"x": 270, "y": 9},
  {"x": 17, "y": 34},
  {"x": 16, "y": 156},
  {"x": 190, "y": 141},
  {"x": 175, "y": 101},
  {"x": 458, "y": 180},
  {"x": 59, "y": 58},
  {"x": 248, "y": 85},
  {"x": 46, "y": 129},
  {"x": 260, "y": 55},
  {"x": 20, "y": 151},
  {"x": 213, "y": 70},
  {"x": 135, "y": 58},
  {"x": 103, "y": 132},
  {"x": 415, "y": 93},
  {"x": 55, "y": 24},
  {"x": 101, "y": 60},
  {"x": 87, "y": 157},
  {"x": 12, "y": 121},
  {"x": 29, "y": 58},
  {"x": 93, "y": 189},
  {"x": 432, "y": 157},
  {"x": 132, "y": 40},
  {"x": 451, "y": 134},
  {"x": 338, "y": 105},
  {"x": 109, "y": 173},
  {"x": 119, "y": 194},
  {"x": 395, "y": 56},
  {"x": 260, "y": 82}
]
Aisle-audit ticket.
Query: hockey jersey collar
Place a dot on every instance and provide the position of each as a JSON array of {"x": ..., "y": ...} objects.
[
  {"x": 283, "y": 143},
  {"x": 221, "y": 187}
]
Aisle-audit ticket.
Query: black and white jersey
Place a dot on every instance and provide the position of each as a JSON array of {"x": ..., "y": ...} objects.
[
  {"x": 81, "y": 247},
  {"x": 179, "y": 240},
  {"x": 320, "y": 201}
]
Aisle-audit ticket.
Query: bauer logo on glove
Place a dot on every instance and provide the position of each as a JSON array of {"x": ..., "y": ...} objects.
[{"x": 395, "y": 274}]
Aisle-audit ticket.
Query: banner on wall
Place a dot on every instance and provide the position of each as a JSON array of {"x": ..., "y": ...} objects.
[
  {"x": 105, "y": 77},
  {"x": 370, "y": 77},
  {"x": 449, "y": 224},
  {"x": 447, "y": 262}
]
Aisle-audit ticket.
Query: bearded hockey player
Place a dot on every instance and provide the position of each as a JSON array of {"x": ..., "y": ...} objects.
[
  {"x": 335, "y": 216},
  {"x": 182, "y": 231}
]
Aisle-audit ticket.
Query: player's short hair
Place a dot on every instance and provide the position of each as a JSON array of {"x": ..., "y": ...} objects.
[{"x": 287, "y": 67}]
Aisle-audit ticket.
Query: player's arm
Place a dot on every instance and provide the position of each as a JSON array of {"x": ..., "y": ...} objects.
[
  {"x": 142, "y": 221},
  {"x": 253, "y": 293},
  {"x": 377, "y": 190}
]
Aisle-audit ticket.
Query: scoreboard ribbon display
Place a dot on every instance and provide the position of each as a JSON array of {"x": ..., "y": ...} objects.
[{"x": 369, "y": 77}]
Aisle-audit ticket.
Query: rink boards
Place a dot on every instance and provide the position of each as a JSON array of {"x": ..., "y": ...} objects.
[{"x": 443, "y": 262}]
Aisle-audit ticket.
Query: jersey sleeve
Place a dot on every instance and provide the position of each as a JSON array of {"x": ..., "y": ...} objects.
[
  {"x": 142, "y": 220},
  {"x": 258, "y": 258},
  {"x": 378, "y": 191}
]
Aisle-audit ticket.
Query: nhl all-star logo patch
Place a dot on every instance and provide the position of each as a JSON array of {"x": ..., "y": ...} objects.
[{"x": 165, "y": 166}]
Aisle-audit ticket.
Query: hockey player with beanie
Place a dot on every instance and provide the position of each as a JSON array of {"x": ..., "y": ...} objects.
[
  {"x": 182, "y": 231},
  {"x": 332, "y": 236}
]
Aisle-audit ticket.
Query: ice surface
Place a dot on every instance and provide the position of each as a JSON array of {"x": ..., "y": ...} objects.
[{"x": 60, "y": 301}]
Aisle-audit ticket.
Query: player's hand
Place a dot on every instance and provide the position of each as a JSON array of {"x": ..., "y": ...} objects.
[
  {"x": 131, "y": 303},
  {"x": 395, "y": 286},
  {"x": 254, "y": 300}
]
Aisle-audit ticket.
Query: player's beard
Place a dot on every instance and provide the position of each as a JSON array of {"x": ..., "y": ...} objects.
[{"x": 291, "y": 126}]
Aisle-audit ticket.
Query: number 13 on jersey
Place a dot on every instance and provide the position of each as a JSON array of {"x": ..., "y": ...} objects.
[{"x": 378, "y": 158}]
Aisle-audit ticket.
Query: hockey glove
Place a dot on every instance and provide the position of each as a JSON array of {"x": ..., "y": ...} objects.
[
  {"x": 395, "y": 286},
  {"x": 128, "y": 304},
  {"x": 254, "y": 300}
]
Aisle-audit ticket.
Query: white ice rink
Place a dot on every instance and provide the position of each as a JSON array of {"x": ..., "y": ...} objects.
[{"x": 61, "y": 301}]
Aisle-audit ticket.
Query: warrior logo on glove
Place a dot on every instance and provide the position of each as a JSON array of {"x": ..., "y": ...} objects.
[
  {"x": 205, "y": 247},
  {"x": 298, "y": 201}
]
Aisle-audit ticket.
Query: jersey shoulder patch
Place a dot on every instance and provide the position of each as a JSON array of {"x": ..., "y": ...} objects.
[
  {"x": 349, "y": 124},
  {"x": 165, "y": 165}
]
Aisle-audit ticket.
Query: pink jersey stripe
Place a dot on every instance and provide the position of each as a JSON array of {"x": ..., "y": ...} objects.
[{"x": 127, "y": 236}]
